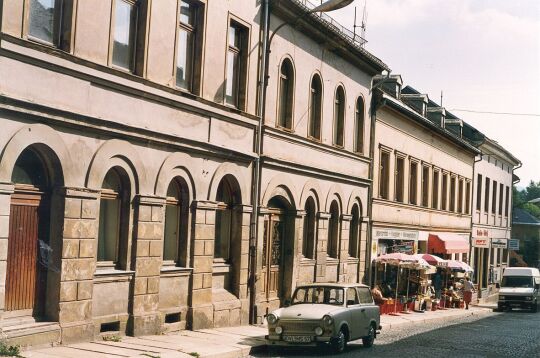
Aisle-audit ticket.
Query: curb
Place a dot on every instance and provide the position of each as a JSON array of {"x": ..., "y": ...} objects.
[{"x": 481, "y": 313}]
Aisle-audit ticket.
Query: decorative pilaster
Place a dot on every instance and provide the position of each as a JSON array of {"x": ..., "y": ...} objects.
[
  {"x": 363, "y": 265},
  {"x": 322, "y": 243},
  {"x": 344, "y": 248},
  {"x": 6, "y": 189}
]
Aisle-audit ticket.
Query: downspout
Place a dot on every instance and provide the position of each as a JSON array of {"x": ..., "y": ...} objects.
[
  {"x": 471, "y": 208},
  {"x": 256, "y": 183}
]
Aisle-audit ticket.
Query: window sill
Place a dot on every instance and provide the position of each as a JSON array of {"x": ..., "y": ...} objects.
[
  {"x": 307, "y": 261},
  {"x": 166, "y": 269},
  {"x": 332, "y": 260},
  {"x": 221, "y": 267},
  {"x": 112, "y": 272}
]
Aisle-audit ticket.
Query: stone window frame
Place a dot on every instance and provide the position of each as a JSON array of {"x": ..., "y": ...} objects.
[
  {"x": 479, "y": 191},
  {"x": 360, "y": 122},
  {"x": 244, "y": 30},
  {"x": 340, "y": 116},
  {"x": 426, "y": 185},
  {"x": 468, "y": 188},
  {"x": 494, "y": 198},
  {"x": 64, "y": 25},
  {"x": 501, "y": 198},
  {"x": 315, "y": 124},
  {"x": 384, "y": 182},
  {"x": 355, "y": 232},
  {"x": 460, "y": 192},
  {"x": 435, "y": 187},
  {"x": 197, "y": 31},
  {"x": 414, "y": 182},
  {"x": 487, "y": 191},
  {"x": 334, "y": 233},
  {"x": 445, "y": 185},
  {"x": 183, "y": 220},
  {"x": 285, "y": 121},
  {"x": 452, "y": 204},
  {"x": 309, "y": 249}
]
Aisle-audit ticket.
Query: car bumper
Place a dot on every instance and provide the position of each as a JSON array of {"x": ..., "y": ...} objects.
[
  {"x": 516, "y": 304},
  {"x": 277, "y": 340}
]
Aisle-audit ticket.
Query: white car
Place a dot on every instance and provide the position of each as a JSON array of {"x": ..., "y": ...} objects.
[{"x": 325, "y": 313}]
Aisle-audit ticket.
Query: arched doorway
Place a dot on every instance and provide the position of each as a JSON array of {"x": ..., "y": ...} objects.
[
  {"x": 32, "y": 270},
  {"x": 277, "y": 252}
]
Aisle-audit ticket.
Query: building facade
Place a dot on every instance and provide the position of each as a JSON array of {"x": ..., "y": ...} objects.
[
  {"x": 423, "y": 178},
  {"x": 127, "y": 164}
]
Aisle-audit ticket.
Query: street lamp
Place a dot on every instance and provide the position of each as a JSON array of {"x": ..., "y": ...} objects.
[{"x": 329, "y": 5}]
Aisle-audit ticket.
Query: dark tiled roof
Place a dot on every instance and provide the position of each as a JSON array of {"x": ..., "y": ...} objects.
[{"x": 523, "y": 217}]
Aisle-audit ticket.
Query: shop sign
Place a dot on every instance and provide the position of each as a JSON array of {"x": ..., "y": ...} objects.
[
  {"x": 499, "y": 243},
  {"x": 405, "y": 248},
  {"x": 396, "y": 234},
  {"x": 481, "y": 232},
  {"x": 480, "y": 243},
  {"x": 513, "y": 244}
]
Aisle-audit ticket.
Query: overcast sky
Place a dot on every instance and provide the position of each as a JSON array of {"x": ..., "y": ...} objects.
[{"x": 483, "y": 54}]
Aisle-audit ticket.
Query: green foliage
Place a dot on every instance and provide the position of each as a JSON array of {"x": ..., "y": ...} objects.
[
  {"x": 532, "y": 191},
  {"x": 521, "y": 197},
  {"x": 532, "y": 209},
  {"x": 9, "y": 351},
  {"x": 529, "y": 251}
]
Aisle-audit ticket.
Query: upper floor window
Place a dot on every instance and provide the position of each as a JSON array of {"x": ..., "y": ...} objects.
[
  {"x": 235, "y": 86},
  {"x": 444, "y": 192},
  {"x": 486, "y": 197},
  {"x": 354, "y": 231},
  {"x": 315, "y": 107},
  {"x": 123, "y": 34},
  {"x": 339, "y": 116},
  {"x": 494, "y": 199},
  {"x": 359, "y": 134},
  {"x": 308, "y": 245},
  {"x": 286, "y": 94},
  {"x": 501, "y": 190},
  {"x": 425, "y": 186},
  {"x": 453, "y": 193},
  {"x": 334, "y": 229},
  {"x": 400, "y": 179},
  {"x": 384, "y": 177},
  {"x": 188, "y": 45},
  {"x": 479, "y": 192},
  {"x": 176, "y": 223},
  {"x": 468, "y": 197},
  {"x": 413, "y": 183},
  {"x": 435, "y": 190},
  {"x": 460, "y": 196},
  {"x": 507, "y": 203},
  {"x": 49, "y": 21}
]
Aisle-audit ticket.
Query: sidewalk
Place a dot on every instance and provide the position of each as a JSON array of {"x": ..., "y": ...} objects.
[{"x": 228, "y": 342}]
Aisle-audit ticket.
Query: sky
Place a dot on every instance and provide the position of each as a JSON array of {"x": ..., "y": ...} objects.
[{"x": 484, "y": 55}]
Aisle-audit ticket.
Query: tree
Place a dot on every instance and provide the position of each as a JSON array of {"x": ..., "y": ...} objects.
[
  {"x": 521, "y": 197},
  {"x": 532, "y": 191}
]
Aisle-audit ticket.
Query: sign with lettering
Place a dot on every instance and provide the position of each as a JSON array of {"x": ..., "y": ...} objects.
[
  {"x": 391, "y": 234},
  {"x": 480, "y": 232},
  {"x": 499, "y": 243},
  {"x": 513, "y": 244},
  {"x": 484, "y": 243}
]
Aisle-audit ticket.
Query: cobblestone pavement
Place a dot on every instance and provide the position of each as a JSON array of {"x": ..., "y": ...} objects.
[{"x": 508, "y": 334}]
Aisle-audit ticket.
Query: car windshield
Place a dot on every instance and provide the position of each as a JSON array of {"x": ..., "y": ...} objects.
[
  {"x": 319, "y": 294},
  {"x": 517, "y": 281}
]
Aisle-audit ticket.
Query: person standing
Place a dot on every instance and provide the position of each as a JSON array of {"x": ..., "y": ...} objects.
[
  {"x": 468, "y": 289},
  {"x": 437, "y": 284}
]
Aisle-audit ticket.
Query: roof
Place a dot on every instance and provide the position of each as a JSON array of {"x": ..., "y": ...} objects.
[
  {"x": 333, "y": 284},
  {"x": 522, "y": 217}
]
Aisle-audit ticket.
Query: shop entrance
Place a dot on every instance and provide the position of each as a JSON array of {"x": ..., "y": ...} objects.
[{"x": 274, "y": 231}]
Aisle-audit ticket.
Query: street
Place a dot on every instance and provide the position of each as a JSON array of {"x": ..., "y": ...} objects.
[{"x": 508, "y": 334}]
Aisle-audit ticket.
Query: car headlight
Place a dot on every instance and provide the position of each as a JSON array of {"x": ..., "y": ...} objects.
[
  {"x": 528, "y": 298},
  {"x": 319, "y": 331},
  {"x": 271, "y": 318},
  {"x": 279, "y": 329},
  {"x": 502, "y": 298},
  {"x": 327, "y": 320}
]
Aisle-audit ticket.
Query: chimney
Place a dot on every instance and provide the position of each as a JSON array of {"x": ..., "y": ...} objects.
[
  {"x": 418, "y": 102},
  {"x": 436, "y": 115},
  {"x": 389, "y": 84},
  {"x": 454, "y": 125}
]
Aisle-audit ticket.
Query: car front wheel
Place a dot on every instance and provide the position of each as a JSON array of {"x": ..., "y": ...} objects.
[
  {"x": 368, "y": 340},
  {"x": 340, "y": 342}
]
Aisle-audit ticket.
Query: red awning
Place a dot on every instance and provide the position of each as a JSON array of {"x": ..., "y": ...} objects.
[{"x": 447, "y": 244}]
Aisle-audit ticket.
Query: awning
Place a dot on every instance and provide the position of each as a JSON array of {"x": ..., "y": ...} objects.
[{"x": 445, "y": 243}]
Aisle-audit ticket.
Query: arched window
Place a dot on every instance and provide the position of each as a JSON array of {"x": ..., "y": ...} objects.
[
  {"x": 354, "y": 231},
  {"x": 176, "y": 223},
  {"x": 315, "y": 107},
  {"x": 333, "y": 230},
  {"x": 286, "y": 94},
  {"x": 359, "y": 134},
  {"x": 339, "y": 116},
  {"x": 308, "y": 244},
  {"x": 224, "y": 222},
  {"x": 114, "y": 219}
]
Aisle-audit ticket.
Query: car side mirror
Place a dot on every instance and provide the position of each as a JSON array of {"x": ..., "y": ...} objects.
[
  {"x": 497, "y": 285},
  {"x": 351, "y": 302},
  {"x": 537, "y": 286},
  {"x": 287, "y": 302}
]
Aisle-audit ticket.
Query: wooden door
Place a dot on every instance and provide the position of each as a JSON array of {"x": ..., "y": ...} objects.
[
  {"x": 274, "y": 229},
  {"x": 25, "y": 277}
]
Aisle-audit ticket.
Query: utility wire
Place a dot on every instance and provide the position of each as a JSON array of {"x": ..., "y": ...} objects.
[{"x": 503, "y": 113}]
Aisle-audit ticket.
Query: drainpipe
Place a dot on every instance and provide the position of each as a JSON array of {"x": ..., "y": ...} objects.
[
  {"x": 471, "y": 208},
  {"x": 256, "y": 184}
]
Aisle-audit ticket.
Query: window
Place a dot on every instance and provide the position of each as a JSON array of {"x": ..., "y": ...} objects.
[
  {"x": 384, "y": 177},
  {"x": 460, "y": 196},
  {"x": 114, "y": 219},
  {"x": 413, "y": 183},
  {"x": 176, "y": 223},
  {"x": 339, "y": 116},
  {"x": 494, "y": 199},
  {"x": 435, "y": 190},
  {"x": 352, "y": 297},
  {"x": 286, "y": 94},
  {"x": 479, "y": 193},
  {"x": 49, "y": 21},
  {"x": 236, "y": 65},
  {"x": 359, "y": 135},
  {"x": 452, "y": 194},
  {"x": 444, "y": 199},
  {"x": 315, "y": 108},
  {"x": 333, "y": 230},
  {"x": 188, "y": 39},
  {"x": 400, "y": 179},
  {"x": 425, "y": 186},
  {"x": 224, "y": 221},
  {"x": 124, "y": 29},
  {"x": 507, "y": 203},
  {"x": 308, "y": 244},
  {"x": 486, "y": 197},
  {"x": 354, "y": 230},
  {"x": 364, "y": 295},
  {"x": 501, "y": 190},
  {"x": 468, "y": 197}
]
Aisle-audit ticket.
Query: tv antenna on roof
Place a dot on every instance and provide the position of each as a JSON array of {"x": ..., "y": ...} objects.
[{"x": 363, "y": 25}]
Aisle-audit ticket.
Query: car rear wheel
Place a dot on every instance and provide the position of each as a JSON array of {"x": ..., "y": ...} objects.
[
  {"x": 368, "y": 340},
  {"x": 340, "y": 342}
]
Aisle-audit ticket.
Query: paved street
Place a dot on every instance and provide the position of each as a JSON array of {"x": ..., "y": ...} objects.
[{"x": 510, "y": 334}]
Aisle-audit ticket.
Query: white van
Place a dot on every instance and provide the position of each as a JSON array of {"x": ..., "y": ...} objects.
[{"x": 520, "y": 288}]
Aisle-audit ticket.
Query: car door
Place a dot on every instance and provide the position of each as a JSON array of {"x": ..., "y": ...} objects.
[
  {"x": 369, "y": 310},
  {"x": 356, "y": 314}
]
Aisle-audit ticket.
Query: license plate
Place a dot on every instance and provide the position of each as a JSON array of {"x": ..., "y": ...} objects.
[{"x": 297, "y": 339}]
